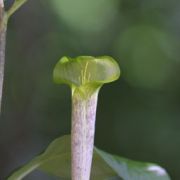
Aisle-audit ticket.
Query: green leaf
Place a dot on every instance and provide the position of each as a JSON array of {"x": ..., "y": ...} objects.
[
  {"x": 87, "y": 16},
  {"x": 148, "y": 52},
  {"x": 133, "y": 170},
  {"x": 56, "y": 161}
]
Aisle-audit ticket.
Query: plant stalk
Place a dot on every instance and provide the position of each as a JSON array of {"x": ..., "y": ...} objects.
[
  {"x": 82, "y": 132},
  {"x": 3, "y": 26}
]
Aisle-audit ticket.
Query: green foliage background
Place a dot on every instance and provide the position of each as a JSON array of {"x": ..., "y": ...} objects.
[{"x": 138, "y": 116}]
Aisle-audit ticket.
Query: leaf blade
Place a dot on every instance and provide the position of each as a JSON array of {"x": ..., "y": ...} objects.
[
  {"x": 56, "y": 160},
  {"x": 133, "y": 170}
]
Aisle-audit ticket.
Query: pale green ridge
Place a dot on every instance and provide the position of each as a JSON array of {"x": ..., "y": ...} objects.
[{"x": 16, "y": 5}]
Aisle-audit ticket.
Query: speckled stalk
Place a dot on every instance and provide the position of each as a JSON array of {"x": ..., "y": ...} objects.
[
  {"x": 85, "y": 75},
  {"x": 2, "y": 47},
  {"x": 83, "y": 129}
]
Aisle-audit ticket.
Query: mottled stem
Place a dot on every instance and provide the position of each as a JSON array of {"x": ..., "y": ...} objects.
[
  {"x": 2, "y": 4},
  {"x": 2, "y": 47},
  {"x": 83, "y": 128}
]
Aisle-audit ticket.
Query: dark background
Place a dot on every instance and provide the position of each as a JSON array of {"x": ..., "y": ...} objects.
[{"x": 138, "y": 116}]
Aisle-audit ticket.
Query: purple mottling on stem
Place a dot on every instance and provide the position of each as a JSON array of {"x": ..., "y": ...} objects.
[
  {"x": 2, "y": 4},
  {"x": 83, "y": 129},
  {"x": 2, "y": 52}
]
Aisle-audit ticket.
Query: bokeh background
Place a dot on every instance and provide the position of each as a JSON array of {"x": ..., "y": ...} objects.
[{"x": 138, "y": 116}]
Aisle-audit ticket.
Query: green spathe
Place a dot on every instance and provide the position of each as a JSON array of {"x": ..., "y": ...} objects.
[{"x": 86, "y": 71}]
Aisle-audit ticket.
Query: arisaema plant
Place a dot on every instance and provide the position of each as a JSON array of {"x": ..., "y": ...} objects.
[{"x": 74, "y": 156}]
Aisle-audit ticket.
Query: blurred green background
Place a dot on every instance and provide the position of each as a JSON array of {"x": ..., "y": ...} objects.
[{"x": 138, "y": 116}]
